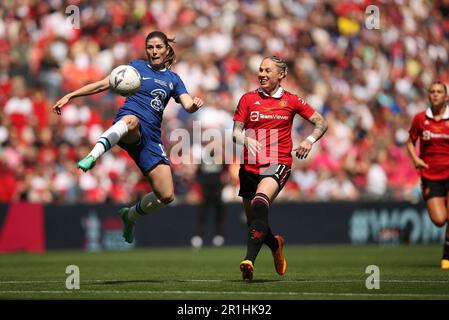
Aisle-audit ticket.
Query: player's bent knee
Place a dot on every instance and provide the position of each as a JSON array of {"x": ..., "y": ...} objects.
[{"x": 131, "y": 121}]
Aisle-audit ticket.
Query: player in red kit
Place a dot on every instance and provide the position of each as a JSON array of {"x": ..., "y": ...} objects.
[
  {"x": 263, "y": 123},
  {"x": 431, "y": 128}
]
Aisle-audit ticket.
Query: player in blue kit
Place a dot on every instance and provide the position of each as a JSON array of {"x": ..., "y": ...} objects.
[{"x": 137, "y": 125}]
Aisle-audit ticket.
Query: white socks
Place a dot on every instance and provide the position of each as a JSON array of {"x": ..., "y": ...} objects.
[
  {"x": 148, "y": 204},
  {"x": 109, "y": 138}
]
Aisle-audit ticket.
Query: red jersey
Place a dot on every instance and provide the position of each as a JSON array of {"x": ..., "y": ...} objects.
[
  {"x": 269, "y": 119},
  {"x": 434, "y": 143}
]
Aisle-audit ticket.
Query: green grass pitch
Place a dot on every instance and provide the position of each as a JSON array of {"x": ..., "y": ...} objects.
[{"x": 314, "y": 272}]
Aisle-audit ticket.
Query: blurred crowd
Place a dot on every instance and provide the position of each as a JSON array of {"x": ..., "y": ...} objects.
[{"x": 368, "y": 83}]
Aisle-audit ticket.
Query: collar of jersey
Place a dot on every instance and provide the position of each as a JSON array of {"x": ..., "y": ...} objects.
[
  {"x": 149, "y": 66},
  {"x": 278, "y": 94},
  {"x": 430, "y": 114}
]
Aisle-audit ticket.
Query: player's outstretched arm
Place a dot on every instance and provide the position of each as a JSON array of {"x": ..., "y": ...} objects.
[
  {"x": 86, "y": 90},
  {"x": 303, "y": 149},
  {"x": 190, "y": 104}
]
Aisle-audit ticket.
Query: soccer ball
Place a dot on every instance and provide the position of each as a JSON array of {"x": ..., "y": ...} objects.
[{"x": 124, "y": 80}]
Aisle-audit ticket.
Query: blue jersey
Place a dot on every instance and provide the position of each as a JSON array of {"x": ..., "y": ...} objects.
[
  {"x": 148, "y": 104},
  {"x": 156, "y": 89}
]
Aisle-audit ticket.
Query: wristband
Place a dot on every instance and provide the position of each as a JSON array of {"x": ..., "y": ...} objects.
[{"x": 311, "y": 139}]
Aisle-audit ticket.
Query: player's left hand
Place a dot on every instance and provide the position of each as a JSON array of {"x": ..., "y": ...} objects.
[
  {"x": 303, "y": 149},
  {"x": 197, "y": 103}
]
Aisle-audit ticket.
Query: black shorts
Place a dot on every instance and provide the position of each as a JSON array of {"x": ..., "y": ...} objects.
[
  {"x": 434, "y": 188},
  {"x": 249, "y": 181}
]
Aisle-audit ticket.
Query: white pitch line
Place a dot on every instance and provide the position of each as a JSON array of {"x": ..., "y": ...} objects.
[
  {"x": 236, "y": 293},
  {"x": 221, "y": 280}
]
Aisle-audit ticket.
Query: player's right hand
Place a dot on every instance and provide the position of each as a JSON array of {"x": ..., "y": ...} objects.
[
  {"x": 253, "y": 146},
  {"x": 58, "y": 105},
  {"x": 419, "y": 164},
  {"x": 303, "y": 149}
]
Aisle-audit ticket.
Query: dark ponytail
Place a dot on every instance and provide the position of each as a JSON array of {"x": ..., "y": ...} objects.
[{"x": 170, "y": 59}]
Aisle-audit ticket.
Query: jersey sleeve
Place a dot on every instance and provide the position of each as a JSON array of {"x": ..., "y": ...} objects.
[
  {"x": 179, "y": 88},
  {"x": 302, "y": 107},
  {"x": 241, "y": 113},
  {"x": 414, "y": 131}
]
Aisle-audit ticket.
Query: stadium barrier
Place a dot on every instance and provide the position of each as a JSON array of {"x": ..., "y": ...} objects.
[{"x": 36, "y": 228}]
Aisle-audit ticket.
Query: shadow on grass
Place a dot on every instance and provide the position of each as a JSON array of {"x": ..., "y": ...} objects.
[
  {"x": 108, "y": 282},
  {"x": 152, "y": 281},
  {"x": 254, "y": 281}
]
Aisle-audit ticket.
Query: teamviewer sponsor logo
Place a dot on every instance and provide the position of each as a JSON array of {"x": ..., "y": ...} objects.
[
  {"x": 254, "y": 116},
  {"x": 427, "y": 135}
]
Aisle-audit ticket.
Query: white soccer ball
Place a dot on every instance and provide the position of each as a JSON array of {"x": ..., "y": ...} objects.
[{"x": 124, "y": 80}]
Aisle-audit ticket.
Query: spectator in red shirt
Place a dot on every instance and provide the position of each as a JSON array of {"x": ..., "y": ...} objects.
[
  {"x": 266, "y": 115},
  {"x": 431, "y": 128}
]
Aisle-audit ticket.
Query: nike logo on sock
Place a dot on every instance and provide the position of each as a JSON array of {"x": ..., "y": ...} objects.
[{"x": 146, "y": 78}]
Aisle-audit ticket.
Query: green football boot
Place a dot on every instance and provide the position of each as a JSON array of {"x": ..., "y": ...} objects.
[
  {"x": 128, "y": 225},
  {"x": 87, "y": 163}
]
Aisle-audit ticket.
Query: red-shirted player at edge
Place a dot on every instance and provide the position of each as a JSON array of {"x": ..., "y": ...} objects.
[
  {"x": 431, "y": 127},
  {"x": 263, "y": 123}
]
